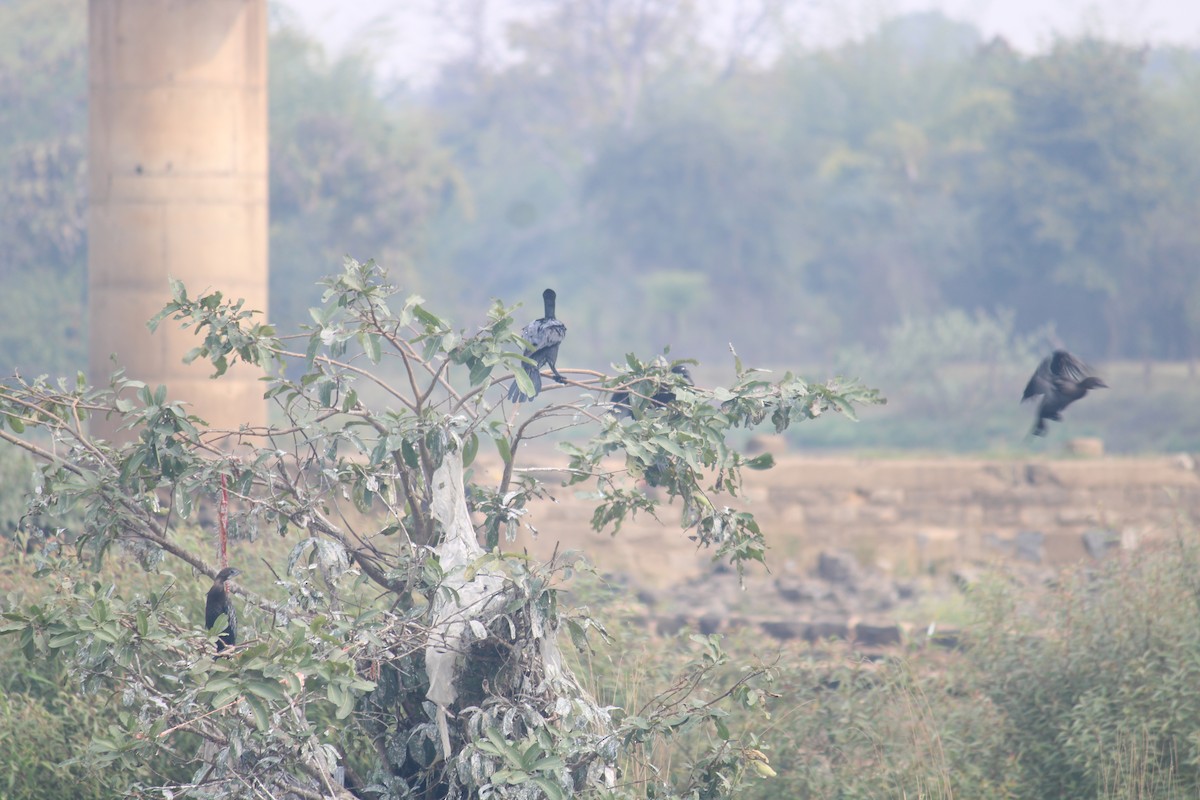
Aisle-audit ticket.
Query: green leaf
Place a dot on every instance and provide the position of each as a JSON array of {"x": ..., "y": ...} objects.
[
  {"x": 262, "y": 716},
  {"x": 346, "y": 707},
  {"x": 764, "y": 461},
  {"x": 267, "y": 690},
  {"x": 551, "y": 789},
  {"x": 480, "y": 372},
  {"x": 429, "y": 319},
  {"x": 63, "y": 639},
  {"x": 325, "y": 393},
  {"x": 371, "y": 346},
  {"x": 379, "y": 452},
  {"x": 314, "y": 346},
  {"x": 524, "y": 382},
  {"x": 722, "y": 728},
  {"x": 409, "y": 454},
  {"x": 547, "y": 764},
  {"x": 503, "y": 448},
  {"x": 511, "y": 754},
  {"x": 470, "y": 448},
  {"x": 531, "y": 755}
]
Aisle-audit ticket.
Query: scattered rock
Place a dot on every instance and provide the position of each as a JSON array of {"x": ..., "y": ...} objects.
[
  {"x": 647, "y": 597},
  {"x": 876, "y": 593},
  {"x": 1029, "y": 545},
  {"x": 877, "y": 635},
  {"x": 1026, "y": 545},
  {"x": 838, "y": 567},
  {"x": 1039, "y": 475},
  {"x": 826, "y": 629},
  {"x": 669, "y": 626},
  {"x": 1099, "y": 543},
  {"x": 638, "y": 620},
  {"x": 802, "y": 590},
  {"x": 948, "y": 638},
  {"x": 785, "y": 629}
]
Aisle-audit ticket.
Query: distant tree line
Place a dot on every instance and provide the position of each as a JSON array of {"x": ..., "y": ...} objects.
[{"x": 795, "y": 205}]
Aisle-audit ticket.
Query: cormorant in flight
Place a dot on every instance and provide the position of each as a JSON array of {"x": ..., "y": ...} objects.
[
  {"x": 1060, "y": 379},
  {"x": 665, "y": 395},
  {"x": 218, "y": 603},
  {"x": 544, "y": 336}
]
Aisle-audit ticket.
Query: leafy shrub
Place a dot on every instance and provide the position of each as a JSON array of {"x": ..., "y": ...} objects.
[
  {"x": 46, "y": 728},
  {"x": 388, "y": 616},
  {"x": 847, "y": 727},
  {"x": 1100, "y": 683}
]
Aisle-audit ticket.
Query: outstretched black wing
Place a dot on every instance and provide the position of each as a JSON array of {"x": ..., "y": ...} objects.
[
  {"x": 1042, "y": 381},
  {"x": 1059, "y": 365},
  {"x": 1065, "y": 365}
]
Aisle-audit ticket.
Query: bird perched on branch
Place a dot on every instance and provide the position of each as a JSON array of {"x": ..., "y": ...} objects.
[
  {"x": 663, "y": 396},
  {"x": 1060, "y": 379},
  {"x": 218, "y": 603},
  {"x": 544, "y": 336}
]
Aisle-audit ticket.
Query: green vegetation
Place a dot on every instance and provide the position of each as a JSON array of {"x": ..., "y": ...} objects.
[
  {"x": 918, "y": 205},
  {"x": 953, "y": 383},
  {"x": 1084, "y": 690},
  {"x": 395, "y": 639},
  {"x": 803, "y": 207}
]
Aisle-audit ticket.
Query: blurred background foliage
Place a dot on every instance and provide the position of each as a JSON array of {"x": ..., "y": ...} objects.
[
  {"x": 921, "y": 207},
  {"x": 809, "y": 205}
]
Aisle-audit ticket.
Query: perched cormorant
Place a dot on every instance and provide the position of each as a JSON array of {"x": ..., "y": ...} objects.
[
  {"x": 665, "y": 395},
  {"x": 218, "y": 603},
  {"x": 544, "y": 336},
  {"x": 1060, "y": 379}
]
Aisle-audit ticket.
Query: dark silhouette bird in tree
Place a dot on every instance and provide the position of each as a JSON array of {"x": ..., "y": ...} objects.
[
  {"x": 1060, "y": 379},
  {"x": 218, "y": 603},
  {"x": 544, "y": 336},
  {"x": 661, "y": 397}
]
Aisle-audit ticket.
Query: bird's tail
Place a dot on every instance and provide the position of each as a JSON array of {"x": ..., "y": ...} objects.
[{"x": 514, "y": 392}]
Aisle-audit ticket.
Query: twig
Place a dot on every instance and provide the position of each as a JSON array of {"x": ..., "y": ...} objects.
[{"x": 187, "y": 722}]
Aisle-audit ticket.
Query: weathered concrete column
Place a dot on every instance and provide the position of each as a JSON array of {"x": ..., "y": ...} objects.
[{"x": 177, "y": 151}]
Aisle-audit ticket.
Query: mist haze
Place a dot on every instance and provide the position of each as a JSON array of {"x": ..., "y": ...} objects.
[{"x": 924, "y": 204}]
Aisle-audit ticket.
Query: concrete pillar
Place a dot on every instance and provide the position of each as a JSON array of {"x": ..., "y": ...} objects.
[{"x": 177, "y": 157}]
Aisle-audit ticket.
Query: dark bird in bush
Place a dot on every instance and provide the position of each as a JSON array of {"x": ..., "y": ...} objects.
[
  {"x": 661, "y": 397},
  {"x": 544, "y": 336},
  {"x": 218, "y": 603},
  {"x": 1060, "y": 379}
]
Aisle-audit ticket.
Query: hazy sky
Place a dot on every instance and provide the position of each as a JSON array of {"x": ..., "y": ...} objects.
[{"x": 410, "y": 41}]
